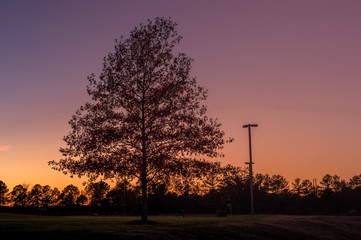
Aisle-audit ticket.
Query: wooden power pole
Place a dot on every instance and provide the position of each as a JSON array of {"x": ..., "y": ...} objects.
[{"x": 250, "y": 163}]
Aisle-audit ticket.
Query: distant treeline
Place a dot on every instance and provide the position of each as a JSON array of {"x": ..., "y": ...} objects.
[{"x": 226, "y": 190}]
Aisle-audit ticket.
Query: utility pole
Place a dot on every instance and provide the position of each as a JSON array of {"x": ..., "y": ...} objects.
[{"x": 250, "y": 163}]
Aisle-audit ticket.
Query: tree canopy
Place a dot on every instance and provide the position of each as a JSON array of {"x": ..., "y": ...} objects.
[{"x": 146, "y": 118}]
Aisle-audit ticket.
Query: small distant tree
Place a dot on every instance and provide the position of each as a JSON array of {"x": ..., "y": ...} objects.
[
  {"x": 69, "y": 195},
  {"x": 146, "y": 117},
  {"x": 278, "y": 184},
  {"x": 184, "y": 185},
  {"x": 54, "y": 197},
  {"x": 82, "y": 200},
  {"x": 355, "y": 181},
  {"x": 332, "y": 183},
  {"x": 302, "y": 188},
  {"x": 213, "y": 178},
  {"x": 19, "y": 195},
  {"x": 122, "y": 195},
  {"x": 297, "y": 186},
  {"x": 235, "y": 184},
  {"x": 3, "y": 193},
  {"x": 326, "y": 182},
  {"x": 262, "y": 182},
  {"x": 47, "y": 196},
  {"x": 307, "y": 188},
  {"x": 35, "y": 196},
  {"x": 97, "y": 192},
  {"x": 337, "y": 183}
]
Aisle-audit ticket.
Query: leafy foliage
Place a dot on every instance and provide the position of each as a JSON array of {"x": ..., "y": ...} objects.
[
  {"x": 145, "y": 119},
  {"x": 69, "y": 195},
  {"x": 97, "y": 192},
  {"x": 19, "y": 195},
  {"x": 3, "y": 191}
]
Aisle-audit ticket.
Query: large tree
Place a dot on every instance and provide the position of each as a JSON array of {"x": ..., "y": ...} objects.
[{"x": 146, "y": 118}]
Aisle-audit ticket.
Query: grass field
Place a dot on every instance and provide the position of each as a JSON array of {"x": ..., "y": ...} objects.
[{"x": 232, "y": 227}]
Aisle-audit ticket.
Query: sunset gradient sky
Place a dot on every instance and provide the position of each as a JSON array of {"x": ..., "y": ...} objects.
[{"x": 293, "y": 67}]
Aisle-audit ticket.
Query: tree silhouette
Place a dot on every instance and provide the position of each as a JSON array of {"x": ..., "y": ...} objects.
[
  {"x": 337, "y": 183},
  {"x": 326, "y": 182},
  {"x": 307, "y": 188},
  {"x": 19, "y": 195},
  {"x": 278, "y": 184},
  {"x": 297, "y": 186},
  {"x": 355, "y": 181},
  {"x": 262, "y": 182},
  {"x": 81, "y": 200},
  {"x": 214, "y": 177},
  {"x": 3, "y": 191},
  {"x": 146, "y": 116},
  {"x": 122, "y": 195},
  {"x": 54, "y": 197},
  {"x": 97, "y": 192},
  {"x": 333, "y": 183},
  {"x": 47, "y": 195},
  {"x": 69, "y": 195},
  {"x": 35, "y": 196}
]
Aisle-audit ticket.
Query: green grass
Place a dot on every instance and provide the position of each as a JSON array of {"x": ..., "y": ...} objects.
[
  {"x": 231, "y": 227},
  {"x": 125, "y": 227}
]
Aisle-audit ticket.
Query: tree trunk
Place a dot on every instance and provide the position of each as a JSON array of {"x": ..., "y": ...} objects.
[
  {"x": 144, "y": 165},
  {"x": 144, "y": 199}
]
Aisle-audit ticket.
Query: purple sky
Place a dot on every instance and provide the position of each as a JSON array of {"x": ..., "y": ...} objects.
[{"x": 293, "y": 67}]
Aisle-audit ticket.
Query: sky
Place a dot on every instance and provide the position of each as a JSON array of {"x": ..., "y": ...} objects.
[{"x": 292, "y": 67}]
